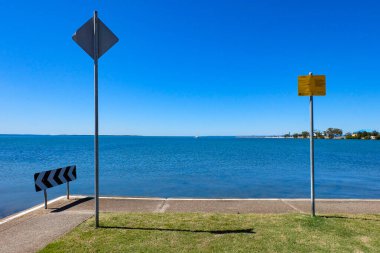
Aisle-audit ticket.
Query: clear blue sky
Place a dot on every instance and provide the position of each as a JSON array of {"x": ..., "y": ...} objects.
[{"x": 190, "y": 67}]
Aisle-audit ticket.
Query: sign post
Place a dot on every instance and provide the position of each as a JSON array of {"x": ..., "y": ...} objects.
[
  {"x": 311, "y": 135},
  {"x": 95, "y": 38},
  {"x": 312, "y": 86},
  {"x": 96, "y": 136}
]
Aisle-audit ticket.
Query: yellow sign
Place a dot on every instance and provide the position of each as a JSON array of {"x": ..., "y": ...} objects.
[{"x": 312, "y": 85}]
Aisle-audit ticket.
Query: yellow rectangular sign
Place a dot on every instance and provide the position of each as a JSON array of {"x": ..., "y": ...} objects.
[{"x": 312, "y": 85}]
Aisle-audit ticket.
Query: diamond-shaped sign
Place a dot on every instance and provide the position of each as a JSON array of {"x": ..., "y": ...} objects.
[{"x": 84, "y": 37}]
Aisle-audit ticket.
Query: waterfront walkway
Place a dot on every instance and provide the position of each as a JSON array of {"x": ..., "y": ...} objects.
[{"x": 31, "y": 230}]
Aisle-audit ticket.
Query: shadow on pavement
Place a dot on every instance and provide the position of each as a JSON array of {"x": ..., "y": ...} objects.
[
  {"x": 72, "y": 204},
  {"x": 217, "y": 232}
]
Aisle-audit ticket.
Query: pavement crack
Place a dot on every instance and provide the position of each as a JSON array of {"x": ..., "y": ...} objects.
[
  {"x": 292, "y": 206},
  {"x": 162, "y": 207}
]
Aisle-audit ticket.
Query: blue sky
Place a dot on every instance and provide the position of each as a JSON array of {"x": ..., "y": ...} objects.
[{"x": 189, "y": 67}]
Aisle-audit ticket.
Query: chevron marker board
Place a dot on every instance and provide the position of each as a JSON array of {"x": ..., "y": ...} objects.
[{"x": 50, "y": 178}]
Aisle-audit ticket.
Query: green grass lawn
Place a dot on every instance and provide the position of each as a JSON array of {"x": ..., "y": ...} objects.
[{"x": 194, "y": 232}]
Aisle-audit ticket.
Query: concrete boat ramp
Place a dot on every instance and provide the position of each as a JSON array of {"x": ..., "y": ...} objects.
[{"x": 32, "y": 229}]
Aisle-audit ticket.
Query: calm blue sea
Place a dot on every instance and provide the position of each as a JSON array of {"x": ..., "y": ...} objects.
[{"x": 189, "y": 167}]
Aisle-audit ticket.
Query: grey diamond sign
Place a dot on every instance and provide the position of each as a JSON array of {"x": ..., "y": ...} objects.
[{"x": 85, "y": 37}]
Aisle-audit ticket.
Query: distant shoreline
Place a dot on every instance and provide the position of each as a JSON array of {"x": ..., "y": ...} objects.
[{"x": 177, "y": 136}]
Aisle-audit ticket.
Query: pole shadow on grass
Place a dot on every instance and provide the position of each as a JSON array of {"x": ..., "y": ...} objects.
[
  {"x": 332, "y": 216},
  {"x": 215, "y": 232},
  {"x": 348, "y": 218}
]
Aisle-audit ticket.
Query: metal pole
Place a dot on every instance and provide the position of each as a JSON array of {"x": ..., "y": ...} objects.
[
  {"x": 45, "y": 196},
  {"x": 68, "y": 191},
  {"x": 96, "y": 144},
  {"x": 312, "y": 155}
]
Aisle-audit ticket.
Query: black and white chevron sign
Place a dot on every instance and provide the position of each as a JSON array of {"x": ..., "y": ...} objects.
[{"x": 50, "y": 178}]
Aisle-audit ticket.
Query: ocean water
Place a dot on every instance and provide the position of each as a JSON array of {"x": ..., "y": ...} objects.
[{"x": 215, "y": 167}]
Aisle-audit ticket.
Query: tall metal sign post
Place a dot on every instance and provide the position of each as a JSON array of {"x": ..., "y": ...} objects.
[
  {"x": 311, "y": 85},
  {"x": 95, "y": 39}
]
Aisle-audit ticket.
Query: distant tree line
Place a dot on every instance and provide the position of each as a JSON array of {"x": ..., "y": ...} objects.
[
  {"x": 363, "y": 135},
  {"x": 336, "y": 133}
]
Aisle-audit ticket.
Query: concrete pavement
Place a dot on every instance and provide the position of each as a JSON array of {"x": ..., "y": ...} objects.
[{"x": 33, "y": 229}]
